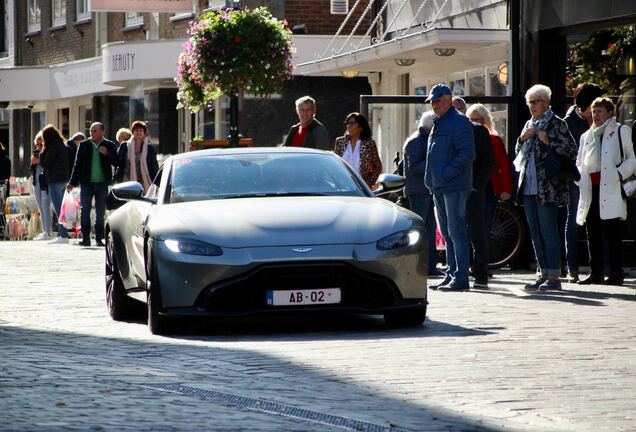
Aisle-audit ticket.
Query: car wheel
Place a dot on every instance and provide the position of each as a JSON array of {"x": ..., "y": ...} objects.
[
  {"x": 120, "y": 306},
  {"x": 412, "y": 317},
  {"x": 157, "y": 323}
]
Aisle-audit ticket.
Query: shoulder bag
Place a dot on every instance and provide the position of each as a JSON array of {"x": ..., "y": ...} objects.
[
  {"x": 628, "y": 185},
  {"x": 559, "y": 168}
]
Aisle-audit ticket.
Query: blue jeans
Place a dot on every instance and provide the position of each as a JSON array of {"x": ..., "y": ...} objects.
[
  {"x": 44, "y": 204},
  {"x": 57, "y": 190},
  {"x": 544, "y": 231},
  {"x": 572, "y": 230},
  {"x": 451, "y": 212},
  {"x": 87, "y": 192},
  {"x": 423, "y": 205}
]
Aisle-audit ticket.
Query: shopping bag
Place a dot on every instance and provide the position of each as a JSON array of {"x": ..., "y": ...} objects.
[{"x": 68, "y": 213}]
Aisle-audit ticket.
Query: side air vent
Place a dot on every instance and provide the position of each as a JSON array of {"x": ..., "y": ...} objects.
[{"x": 339, "y": 7}]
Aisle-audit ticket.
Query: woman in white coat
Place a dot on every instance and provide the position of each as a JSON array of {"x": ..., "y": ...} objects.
[{"x": 601, "y": 205}]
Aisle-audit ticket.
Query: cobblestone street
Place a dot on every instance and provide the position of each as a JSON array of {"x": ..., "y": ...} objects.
[{"x": 497, "y": 359}]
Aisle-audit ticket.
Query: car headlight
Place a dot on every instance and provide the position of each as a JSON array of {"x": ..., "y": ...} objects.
[
  {"x": 193, "y": 247},
  {"x": 399, "y": 240}
]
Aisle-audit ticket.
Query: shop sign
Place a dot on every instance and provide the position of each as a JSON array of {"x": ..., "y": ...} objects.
[
  {"x": 182, "y": 6},
  {"x": 78, "y": 78},
  {"x": 140, "y": 60}
]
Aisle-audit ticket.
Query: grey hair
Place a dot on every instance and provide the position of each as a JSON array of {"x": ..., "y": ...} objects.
[
  {"x": 37, "y": 137},
  {"x": 543, "y": 91},
  {"x": 78, "y": 136},
  {"x": 460, "y": 100},
  {"x": 426, "y": 120},
  {"x": 305, "y": 99},
  {"x": 484, "y": 113}
]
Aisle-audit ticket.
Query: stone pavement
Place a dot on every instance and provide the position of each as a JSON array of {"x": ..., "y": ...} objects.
[{"x": 497, "y": 359}]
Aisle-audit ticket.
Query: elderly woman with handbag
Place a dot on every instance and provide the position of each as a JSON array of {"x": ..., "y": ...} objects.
[
  {"x": 542, "y": 195},
  {"x": 606, "y": 157}
]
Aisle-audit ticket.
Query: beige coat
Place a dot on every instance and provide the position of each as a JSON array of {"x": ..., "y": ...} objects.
[{"x": 612, "y": 204}]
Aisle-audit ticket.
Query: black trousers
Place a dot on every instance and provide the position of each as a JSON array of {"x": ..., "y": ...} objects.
[
  {"x": 477, "y": 232},
  {"x": 597, "y": 229}
]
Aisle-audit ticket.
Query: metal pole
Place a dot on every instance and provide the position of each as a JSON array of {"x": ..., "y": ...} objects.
[{"x": 234, "y": 118}]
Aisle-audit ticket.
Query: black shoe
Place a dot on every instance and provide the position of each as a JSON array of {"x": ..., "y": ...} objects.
[
  {"x": 534, "y": 286},
  {"x": 447, "y": 279},
  {"x": 99, "y": 243},
  {"x": 84, "y": 243},
  {"x": 592, "y": 279},
  {"x": 455, "y": 286},
  {"x": 481, "y": 282},
  {"x": 613, "y": 280}
]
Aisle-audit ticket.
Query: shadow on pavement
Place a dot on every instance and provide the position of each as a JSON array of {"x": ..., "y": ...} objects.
[{"x": 81, "y": 379}]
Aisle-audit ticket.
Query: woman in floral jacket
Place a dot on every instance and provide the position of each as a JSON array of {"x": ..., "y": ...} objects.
[
  {"x": 358, "y": 149},
  {"x": 542, "y": 196}
]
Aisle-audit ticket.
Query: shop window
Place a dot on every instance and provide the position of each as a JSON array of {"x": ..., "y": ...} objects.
[
  {"x": 458, "y": 87},
  {"x": 62, "y": 121},
  {"x": 85, "y": 118},
  {"x": 37, "y": 122},
  {"x": 134, "y": 19},
  {"x": 81, "y": 10},
  {"x": 477, "y": 85},
  {"x": 58, "y": 15},
  {"x": 33, "y": 16}
]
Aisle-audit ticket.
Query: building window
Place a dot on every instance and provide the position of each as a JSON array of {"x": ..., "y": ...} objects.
[
  {"x": 134, "y": 19},
  {"x": 58, "y": 8},
  {"x": 3, "y": 30},
  {"x": 81, "y": 10},
  {"x": 339, "y": 7},
  {"x": 34, "y": 16}
]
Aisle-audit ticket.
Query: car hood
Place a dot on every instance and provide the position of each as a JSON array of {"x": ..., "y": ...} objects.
[{"x": 283, "y": 221}]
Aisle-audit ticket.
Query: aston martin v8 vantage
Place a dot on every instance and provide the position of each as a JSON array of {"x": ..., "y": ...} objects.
[{"x": 234, "y": 232}]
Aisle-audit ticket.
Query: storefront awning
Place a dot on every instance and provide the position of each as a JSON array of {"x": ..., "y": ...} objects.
[
  {"x": 468, "y": 46},
  {"x": 40, "y": 83}
]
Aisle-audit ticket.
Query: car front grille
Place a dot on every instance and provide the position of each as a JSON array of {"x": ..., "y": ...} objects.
[{"x": 359, "y": 290}]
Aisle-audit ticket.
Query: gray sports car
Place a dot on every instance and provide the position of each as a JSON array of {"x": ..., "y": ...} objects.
[{"x": 234, "y": 232}]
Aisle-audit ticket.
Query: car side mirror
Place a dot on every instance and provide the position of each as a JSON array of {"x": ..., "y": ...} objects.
[
  {"x": 131, "y": 190},
  {"x": 388, "y": 183}
]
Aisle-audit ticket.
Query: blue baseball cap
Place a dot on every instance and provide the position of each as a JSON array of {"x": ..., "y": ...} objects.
[{"x": 438, "y": 91}]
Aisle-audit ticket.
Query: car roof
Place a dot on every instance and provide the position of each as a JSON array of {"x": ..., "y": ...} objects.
[{"x": 248, "y": 150}]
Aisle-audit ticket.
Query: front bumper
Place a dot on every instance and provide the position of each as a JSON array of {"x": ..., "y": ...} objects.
[{"x": 236, "y": 282}]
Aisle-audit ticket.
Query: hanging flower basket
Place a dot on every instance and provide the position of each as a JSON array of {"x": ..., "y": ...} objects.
[{"x": 230, "y": 50}]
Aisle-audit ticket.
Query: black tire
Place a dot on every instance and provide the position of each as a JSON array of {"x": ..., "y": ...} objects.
[
  {"x": 120, "y": 306},
  {"x": 412, "y": 317},
  {"x": 158, "y": 324},
  {"x": 507, "y": 235}
]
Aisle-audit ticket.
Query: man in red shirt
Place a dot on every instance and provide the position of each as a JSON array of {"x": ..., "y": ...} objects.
[{"x": 309, "y": 132}]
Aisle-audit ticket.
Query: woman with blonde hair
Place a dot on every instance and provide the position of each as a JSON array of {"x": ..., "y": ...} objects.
[
  {"x": 137, "y": 158},
  {"x": 500, "y": 185}
]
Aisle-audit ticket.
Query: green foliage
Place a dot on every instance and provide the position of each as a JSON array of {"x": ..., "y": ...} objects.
[
  {"x": 596, "y": 59},
  {"x": 230, "y": 50}
]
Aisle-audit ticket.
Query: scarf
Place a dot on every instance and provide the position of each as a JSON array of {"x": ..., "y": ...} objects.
[
  {"x": 593, "y": 154},
  {"x": 145, "y": 176},
  {"x": 539, "y": 124}
]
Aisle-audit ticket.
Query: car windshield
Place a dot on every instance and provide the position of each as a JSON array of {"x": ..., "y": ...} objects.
[{"x": 261, "y": 175}]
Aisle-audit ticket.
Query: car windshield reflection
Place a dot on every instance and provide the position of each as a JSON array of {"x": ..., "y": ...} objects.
[{"x": 261, "y": 175}]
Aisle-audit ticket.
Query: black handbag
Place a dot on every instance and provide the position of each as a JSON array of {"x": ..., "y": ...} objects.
[
  {"x": 559, "y": 168},
  {"x": 628, "y": 185}
]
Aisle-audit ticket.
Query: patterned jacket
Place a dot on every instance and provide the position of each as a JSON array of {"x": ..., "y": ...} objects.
[
  {"x": 370, "y": 164},
  {"x": 550, "y": 192}
]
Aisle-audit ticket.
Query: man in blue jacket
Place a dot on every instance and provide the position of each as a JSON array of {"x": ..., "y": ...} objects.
[{"x": 449, "y": 177}]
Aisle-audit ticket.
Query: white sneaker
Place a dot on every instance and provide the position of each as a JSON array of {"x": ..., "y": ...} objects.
[
  {"x": 43, "y": 236},
  {"x": 59, "y": 240}
]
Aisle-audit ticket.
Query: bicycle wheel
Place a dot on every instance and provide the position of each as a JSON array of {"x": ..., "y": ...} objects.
[{"x": 507, "y": 235}]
